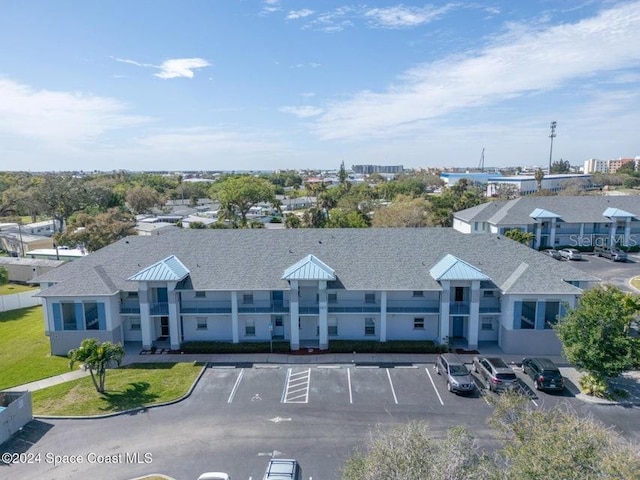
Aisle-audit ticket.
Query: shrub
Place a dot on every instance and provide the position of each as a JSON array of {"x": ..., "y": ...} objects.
[{"x": 593, "y": 385}]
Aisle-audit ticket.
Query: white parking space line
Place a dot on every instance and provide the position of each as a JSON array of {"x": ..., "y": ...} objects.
[
  {"x": 395, "y": 399},
  {"x": 297, "y": 387},
  {"x": 235, "y": 386},
  {"x": 434, "y": 386},
  {"x": 349, "y": 382}
]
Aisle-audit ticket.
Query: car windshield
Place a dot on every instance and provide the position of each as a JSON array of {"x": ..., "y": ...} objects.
[
  {"x": 458, "y": 370},
  {"x": 551, "y": 374}
]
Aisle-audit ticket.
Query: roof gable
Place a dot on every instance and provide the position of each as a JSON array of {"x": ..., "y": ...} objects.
[
  {"x": 542, "y": 213},
  {"x": 168, "y": 270},
  {"x": 309, "y": 268},
  {"x": 612, "y": 212},
  {"x": 452, "y": 268}
]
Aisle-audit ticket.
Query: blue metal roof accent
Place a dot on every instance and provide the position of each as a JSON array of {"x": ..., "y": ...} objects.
[
  {"x": 612, "y": 212},
  {"x": 168, "y": 270},
  {"x": 452, "y": 268},
  {"x": 309, "y": 268},
  {"x": 542, "y": 213}
]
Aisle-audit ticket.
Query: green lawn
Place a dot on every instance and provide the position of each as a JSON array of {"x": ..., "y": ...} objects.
[
  {"x": 137, "y": 385},
  {"x": 10, "y": 288},
  {"x": 24, "y": 349}
]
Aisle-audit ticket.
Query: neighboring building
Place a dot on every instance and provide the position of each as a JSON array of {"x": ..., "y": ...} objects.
[
  {"x": 369, "y": 169},
  {"x": 23, "y": 270},
  {"x": 527, "y": 184},
  {"x": 594, "y": 165},
  {"x": 154, "y": 228},
  {"x": 452, "y": 178},
  {"x": 17, "y": 244},
  {"x": 311, "y": 286},
  {"x": 60, "y": 253},
  {"x": 559, "y": 221}
]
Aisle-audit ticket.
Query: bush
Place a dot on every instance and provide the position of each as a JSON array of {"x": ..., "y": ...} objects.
[
  {"x": 594, "y": 386},
  {"x": 279, "y": 346},
  {"x": 335, "y": 346}
]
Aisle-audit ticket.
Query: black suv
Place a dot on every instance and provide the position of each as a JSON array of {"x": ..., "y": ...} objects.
[{"x": 544, "y": 373}]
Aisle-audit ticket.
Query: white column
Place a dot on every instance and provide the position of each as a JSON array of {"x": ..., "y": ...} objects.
[
  {"x": 627, "y": 231},
  {"x": 445, "y": 297},
  {"x": 323, "y": 323},
  {"x": 474, "y": 315},
  {"x": 552, "y": 234},
  {"x": 294, "y": 314},
  {"x": 174, "y": 324},
  {"x": 538, "y": 233},
  {"x": 145, "y": 318},
  {"x": 235, "y": 333},
  {"x": 383, "y": 316}
]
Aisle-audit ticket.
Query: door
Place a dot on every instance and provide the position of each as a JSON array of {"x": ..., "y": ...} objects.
[
  {"x": 278, "y": 326},
  {"x": 164, "y": 326},
  {"x": 308, "y": 328},
  {"x": 277, "y": 299},
  {"x": 458, "y": 327}
]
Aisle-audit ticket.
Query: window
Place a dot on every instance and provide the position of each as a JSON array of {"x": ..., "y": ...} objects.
[
  {"x": 69, "y": 316},
  {"x": 417, "y": 293},
  {"x": 201, "y": 295},
  {"x": 247, "y": 298},
  {"x": 459, "y": 294},
  {"x": 418, "y": 323},
  {"x": 551, "y": 312},
  {"x": 332, "y": 324},
  {"x": 91, "y": 316},
  {"x": 332, "y": 297},
  {"x": 134, "y": 324},
  {"x": 369, "y": 298},
  {"x": 132, "y": 294},
  {"x": 201, "y": 323},
  {"x": 528, "y": 317},
  {"x": 278, "y": 321},
  {"x": 487, "y": 293},
  {"x": 250, "y": 328},
  {"x": 369, "y": 326},
  {"x": 487, "y": 324}
]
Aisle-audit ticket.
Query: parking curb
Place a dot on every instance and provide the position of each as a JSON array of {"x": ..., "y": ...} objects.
[{"x": 131, "y": 410}]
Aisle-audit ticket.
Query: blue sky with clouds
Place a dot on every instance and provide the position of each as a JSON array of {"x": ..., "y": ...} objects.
[{"x": 269, "y": 84}]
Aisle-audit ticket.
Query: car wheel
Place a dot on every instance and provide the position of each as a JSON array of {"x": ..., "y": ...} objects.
[
  {"x": 449, "y": 386},
  {"x": 475, "y": 368},
  {"x": 487, "y": 385},
  {"x": 438, "y": 370},
  {"x": 536, "y": 385}
]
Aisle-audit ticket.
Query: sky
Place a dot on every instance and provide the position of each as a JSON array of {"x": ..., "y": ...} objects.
[{"x": 289, "y": 84}]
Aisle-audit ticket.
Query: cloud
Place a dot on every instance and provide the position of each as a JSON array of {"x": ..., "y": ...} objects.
[
  {"x": 304, "y": 111},
  {"x": 402, "y": 17},
  {"x": 270, "y": 6},
  {"x": 297, "y": 14},
  {"x": 526, "y": 60},
  {"x": 172, "y": 68},
  {"x": 67, "y": 120},
  {"x": 181, "y": 67}
]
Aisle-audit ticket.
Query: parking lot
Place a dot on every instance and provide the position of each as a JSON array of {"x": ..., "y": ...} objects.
[{"x": 614, "y": 273}]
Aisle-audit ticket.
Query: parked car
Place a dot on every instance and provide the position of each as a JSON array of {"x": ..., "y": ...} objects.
[
  {"x": 283, "y": 469},
  {"x": 612, "y": 253},
  {"x": 455, "y": 373},
  {"x": 495, "y": 374},
  {"x": 214, "y": 476},
  {"x": 553, "y": 253},
  {"x": 570, "y": 254},
  {"x": 544, "y": 373}
]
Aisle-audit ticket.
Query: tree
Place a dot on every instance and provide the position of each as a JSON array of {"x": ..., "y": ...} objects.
[
  {"x": 342, "y": 175},
  {"x": 519, "y": 236},
  {"x": 237, "y": 194},
  {"x": 142, "y": 199},
  {"x": 539, "y": 176},
  {"x": 339, "y": 218},
  {"x": 4, "y": 276},
  {"x": 557, "y": 443},
  {"x": 60, "y": 196},
  {"x": 596, "y": 336},
  {"x": 404, "y": 212},
  {"x": 292, "y": 221},
  {"x": 410, "y": 452},
  {"x": 97, "y": 231},
  {"x": 97, "y": 357},
  {"x": 560, "y": 166}
]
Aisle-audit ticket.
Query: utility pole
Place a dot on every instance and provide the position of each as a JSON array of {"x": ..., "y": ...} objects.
[{"x": 552, "y": 135}]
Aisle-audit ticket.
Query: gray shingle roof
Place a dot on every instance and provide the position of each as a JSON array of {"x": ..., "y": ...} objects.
[
  {"x": 363, "y": 259},
  {"x": 572, "y": 209}
]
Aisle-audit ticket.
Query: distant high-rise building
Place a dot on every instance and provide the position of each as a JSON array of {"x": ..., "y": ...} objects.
[
  {"x": 594, "y": 165},
  {"x": 369, "y": 169}
]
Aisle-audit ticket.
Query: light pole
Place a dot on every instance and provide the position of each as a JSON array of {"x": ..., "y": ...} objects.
[{"x": 552, "y": 135}]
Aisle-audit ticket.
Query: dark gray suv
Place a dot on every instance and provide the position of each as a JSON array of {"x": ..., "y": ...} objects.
[
  {"x": 544, "y": 373},
  {"x": 495, "y": 374},
  {"x": 455, "y": 373}
]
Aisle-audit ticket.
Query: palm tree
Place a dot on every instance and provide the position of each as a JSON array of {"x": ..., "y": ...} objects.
[
  {"x": 97, "y": 357},
  {"x": 4, "y": 276},
  {"x": 539, "y": 176}
]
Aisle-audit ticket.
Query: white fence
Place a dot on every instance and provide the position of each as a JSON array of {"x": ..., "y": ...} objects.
[{"x": 19, "y": 300}]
